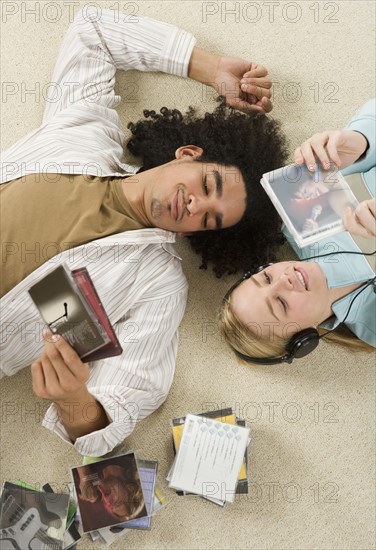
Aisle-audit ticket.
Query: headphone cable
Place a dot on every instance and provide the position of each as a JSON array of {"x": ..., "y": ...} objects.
[{"x": 365, "y": 285}]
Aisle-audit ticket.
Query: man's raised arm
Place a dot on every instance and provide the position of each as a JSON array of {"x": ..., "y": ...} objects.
[{"x": 98, "y": 43}]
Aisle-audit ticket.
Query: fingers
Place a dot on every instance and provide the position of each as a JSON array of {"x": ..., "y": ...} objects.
[
  {"x": 38, "y": 380},
  {"x": 59, "y": 372},
  {"x": 332, "y": 150},
  {"x": 252, "y": 88},
  {"x": 312, "y": 148},
  {"x": 257, "y": 87},
  {"x": 305, "y": 154},
  {"x": 352, "y": 226},
  {"x": 361, "y": 221},
  {"x": 252, "y": 104},
  {"x": 266, "y": 104},
  {"x": 256, "y": 71},
  {"x": 63, "y": 356},
  {"x": 322, "y": 147},
  {"x": 46, "y": 381},
  {"x": 255, "y": 82},
  {"x": 262, "y": 106}
]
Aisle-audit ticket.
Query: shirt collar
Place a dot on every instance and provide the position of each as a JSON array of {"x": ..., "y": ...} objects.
[
  {"x": 148, "y": 236},
  {"x": 343, "y": 269},
  {"x": 341, "y": 308}
]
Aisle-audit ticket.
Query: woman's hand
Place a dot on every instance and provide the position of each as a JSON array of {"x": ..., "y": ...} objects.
[
  {"x": 341, "y": 147},
  {"x": 361, "y": 221}
]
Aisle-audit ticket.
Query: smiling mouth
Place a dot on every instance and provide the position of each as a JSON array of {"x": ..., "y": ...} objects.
[
  {"x": 302, "y": 277},
  {"x": 178, "y": 206}
]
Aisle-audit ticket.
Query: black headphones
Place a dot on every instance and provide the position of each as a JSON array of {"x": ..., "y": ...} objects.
[{"x": 304, "y": 341}]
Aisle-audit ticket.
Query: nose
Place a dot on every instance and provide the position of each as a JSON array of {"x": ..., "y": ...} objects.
[
  {"x": 284, "y": 282},
  {"x": 196, "y": 205}
]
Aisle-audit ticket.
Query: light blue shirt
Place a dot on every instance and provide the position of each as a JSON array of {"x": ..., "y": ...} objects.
[{"x": 345, "y": 269}]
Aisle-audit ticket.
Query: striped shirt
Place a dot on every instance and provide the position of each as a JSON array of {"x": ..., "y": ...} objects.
[{"x": 137, "y": 274}]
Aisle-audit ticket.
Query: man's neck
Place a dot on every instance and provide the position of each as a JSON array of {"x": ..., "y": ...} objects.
[{"x": 134, "y": 189}]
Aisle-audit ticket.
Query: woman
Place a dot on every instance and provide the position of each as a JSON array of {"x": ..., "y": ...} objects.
[{"x": 263, "y": 312}]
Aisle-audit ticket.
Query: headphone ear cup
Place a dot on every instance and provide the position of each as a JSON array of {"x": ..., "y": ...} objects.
[{"x": 303, "y": 343}]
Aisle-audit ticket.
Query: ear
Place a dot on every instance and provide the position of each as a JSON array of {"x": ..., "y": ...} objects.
[{"x": 188, "y": 152}]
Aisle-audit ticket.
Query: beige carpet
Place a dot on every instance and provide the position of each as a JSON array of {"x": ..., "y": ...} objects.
[{"x": 312, "y": 423}]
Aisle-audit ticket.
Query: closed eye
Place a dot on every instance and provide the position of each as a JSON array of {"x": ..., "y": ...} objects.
[
  {"x": 266, "y": 276},
  {"x": 205, "y": 186},
  {"x": 280, "y": 300},
  {"x": 284, "y": 305},
  {"x": 205, "y": 222}
]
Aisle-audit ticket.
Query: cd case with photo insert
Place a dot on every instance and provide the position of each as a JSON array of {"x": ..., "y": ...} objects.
[
  {"x": 311, "y": 204},
  {"x": 70, "y": 306}
]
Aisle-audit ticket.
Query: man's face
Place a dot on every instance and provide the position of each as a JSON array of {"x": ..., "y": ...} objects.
[{"x": 189, "y": 196}]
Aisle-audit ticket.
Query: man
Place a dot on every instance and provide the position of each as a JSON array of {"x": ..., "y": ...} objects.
[{"x": 78, "y": 208}]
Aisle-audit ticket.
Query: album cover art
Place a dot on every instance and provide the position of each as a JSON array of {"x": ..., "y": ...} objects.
[{"x": 109, "y": 492}]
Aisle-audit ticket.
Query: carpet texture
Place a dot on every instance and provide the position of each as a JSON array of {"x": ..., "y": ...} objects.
[{"x": 311, "y": 460}]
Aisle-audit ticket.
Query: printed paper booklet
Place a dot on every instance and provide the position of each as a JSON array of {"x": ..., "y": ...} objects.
[
  {"x": 311, "y": 204},
  {"x": 222, "y": 415},
  {"x": 209, "y": 458},
  {"x": 70, "y": 306}
]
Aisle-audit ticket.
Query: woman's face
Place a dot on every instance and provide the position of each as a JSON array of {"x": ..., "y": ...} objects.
[
  {"x": 311, "y": 190},
  {"x": 283, "y": 299}
]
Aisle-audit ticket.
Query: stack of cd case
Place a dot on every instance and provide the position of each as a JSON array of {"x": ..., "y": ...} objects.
[
  {"x": 113, "y": 482},
  {"x": 32, "y": 519},
  {"x": 227, "y": 417}
]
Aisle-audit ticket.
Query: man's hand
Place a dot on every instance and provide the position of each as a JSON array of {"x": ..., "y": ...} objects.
[
  {"x": 361, "y": 221},
  {"x": 59, "y": 374},
  {"x": 244, "y": 84},
  {"x": 343, "y": 147}
]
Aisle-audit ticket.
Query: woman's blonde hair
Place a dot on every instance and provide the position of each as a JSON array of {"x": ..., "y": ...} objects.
[{"x": 241, "y": 338}]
